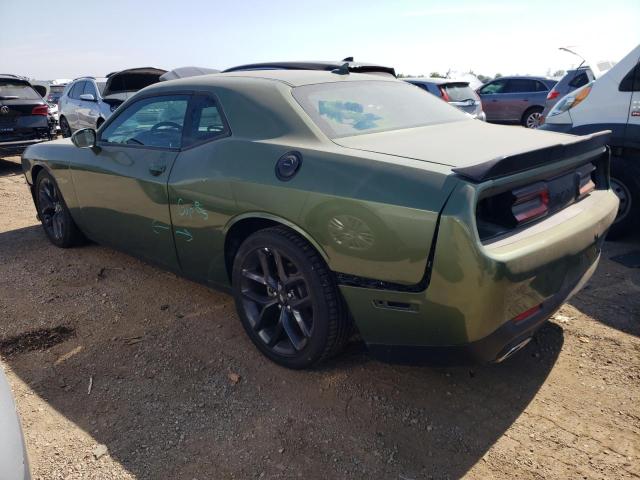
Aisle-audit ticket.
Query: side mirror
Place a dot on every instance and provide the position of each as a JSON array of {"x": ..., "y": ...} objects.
[
  {"x": 88, "y": 97},
  {"x": 85, "y": 138}
]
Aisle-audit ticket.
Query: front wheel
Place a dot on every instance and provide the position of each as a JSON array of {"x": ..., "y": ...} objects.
[
  {"x": 54, "y": 214},
  {"x": 532, "y": 118},
  {"x": 625, "y": 182},
  {"x": 287, "y": 299}
]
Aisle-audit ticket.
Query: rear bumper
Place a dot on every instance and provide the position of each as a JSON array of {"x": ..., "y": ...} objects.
[
  {"x": 17, "y": 147},
  {"x": 476, "y": 291}
]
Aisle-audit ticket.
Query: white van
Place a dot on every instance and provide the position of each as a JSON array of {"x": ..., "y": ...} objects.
[{"x": 611, "y": 102}]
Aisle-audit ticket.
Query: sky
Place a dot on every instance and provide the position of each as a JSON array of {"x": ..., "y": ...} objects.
[{"x": 72, "y": 38}]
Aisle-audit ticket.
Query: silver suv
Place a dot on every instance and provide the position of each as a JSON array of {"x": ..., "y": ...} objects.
[
  {"x": 87, "y": 102},
  {"x": 82, "y": 105}
]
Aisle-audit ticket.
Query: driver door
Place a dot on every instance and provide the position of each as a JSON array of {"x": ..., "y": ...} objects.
[{"x": 121, "y": 184}]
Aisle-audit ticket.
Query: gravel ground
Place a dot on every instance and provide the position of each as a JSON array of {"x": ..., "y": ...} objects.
[{"x": 123, "y": 371}]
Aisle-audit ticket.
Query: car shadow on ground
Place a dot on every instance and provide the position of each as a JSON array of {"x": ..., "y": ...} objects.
[
  {"x": 159, "y": 350},
  {"x": 613, "y": 294},
  {"x": 10, "y": 166}
]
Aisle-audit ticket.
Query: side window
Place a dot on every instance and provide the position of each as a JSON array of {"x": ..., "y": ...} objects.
[
  {"x": 631, "y": 81},
  {"x": 520, "y": 85},
  {"x": 493, "y": 87},
  {"x": 541, "y": 87},
  {"x": 206, "y": 121},
  {"x": 153, "y": 122},
  {"x": 77, "y": 90},
  {"x": 89, "y": 88}
]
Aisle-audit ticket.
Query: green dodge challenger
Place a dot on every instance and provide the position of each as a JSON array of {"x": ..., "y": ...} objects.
[{"x": 334, "y": 201}]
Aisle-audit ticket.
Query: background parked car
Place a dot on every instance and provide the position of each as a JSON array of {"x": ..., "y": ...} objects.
[
  {"x": 516, "y": 99},
  {"x": 572, "y": 79},
  {"x": 611, "y": 102},
  {"x": 87, "y": 102},
  {"x": 24, "y": 115},
  {"x": 14, "y": 464},
  {"x": 456, "y": 92}
]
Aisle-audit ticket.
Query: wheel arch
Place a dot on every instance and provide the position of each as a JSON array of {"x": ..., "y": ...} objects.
[
  {"x": 241, "y": 226},
  {"x": 526, "y": 113}
]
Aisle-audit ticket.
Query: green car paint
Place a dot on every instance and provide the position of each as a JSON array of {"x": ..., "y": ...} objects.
[{"x": 384, "y": 209}]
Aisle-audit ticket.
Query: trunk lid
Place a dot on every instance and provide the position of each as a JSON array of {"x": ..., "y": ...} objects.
[
  {"x": 472, "y": 148},
  {"x": 131, "y": 80}
]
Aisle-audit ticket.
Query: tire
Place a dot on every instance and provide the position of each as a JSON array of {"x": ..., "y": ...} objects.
[
  {"x": 54, "y": 214},
  {"x": 287, "y": 299},
  {"x": 625, "y": 182},
  {"x": 65, "y": 129},
  {"x": 532, "y": 117}
]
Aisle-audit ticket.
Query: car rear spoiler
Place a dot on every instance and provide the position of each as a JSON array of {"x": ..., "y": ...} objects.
[{"x": 519, "y": 162}]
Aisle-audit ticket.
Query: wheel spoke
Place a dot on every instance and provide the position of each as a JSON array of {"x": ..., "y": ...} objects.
[
  {"x": 287, "y": 321},
  {"x": 276, "y": 332},
  {"x": 254, "y": 276},
  {"x": 298, "y": 303},
  {"x": 282, "y": 275},
  {"x": 301, "y": 323},
  {"x": 256, "y": 297},
  {"x": 266, "y": 268},
  {"x": 260, "y": 324},
  {"x": 293, "y": 280}
]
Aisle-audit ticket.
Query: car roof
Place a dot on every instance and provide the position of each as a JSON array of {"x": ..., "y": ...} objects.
[
  {"x": 354, "y": 67},
  {"x": 525, "y": 77},
  {"x": 10, "y": 76},
  {"x": 435, "y": 81},
  {"x": 96, "y": 79}
]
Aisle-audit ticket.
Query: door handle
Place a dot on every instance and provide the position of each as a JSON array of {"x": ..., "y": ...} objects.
[{"x": 157, "y": 169}]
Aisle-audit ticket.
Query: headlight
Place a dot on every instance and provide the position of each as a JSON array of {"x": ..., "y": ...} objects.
[{"x": 571, "y": 100}]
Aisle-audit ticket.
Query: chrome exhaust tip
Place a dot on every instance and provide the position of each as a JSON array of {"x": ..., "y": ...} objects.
[{"x": 513, "y": 350}]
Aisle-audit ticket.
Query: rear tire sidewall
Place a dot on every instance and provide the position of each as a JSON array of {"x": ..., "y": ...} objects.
[
  {"x": 317, "y": 343},
  {"x": 626, "y": 172}
]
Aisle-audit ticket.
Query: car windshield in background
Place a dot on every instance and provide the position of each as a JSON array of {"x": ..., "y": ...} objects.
[
  {"x": 458, "y": 92},
  {"x": 356, "y": 108},
  {"x": 101, "y": 86},
  {"x": 17, "y": 90}
]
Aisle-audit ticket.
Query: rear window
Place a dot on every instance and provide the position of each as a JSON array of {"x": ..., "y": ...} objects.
[
  {"x": 344, "y": 109},
  {"x": 458, "y": 92},
  {"x": 17, "y": 90},
  {"x": 579, "y": 80}
]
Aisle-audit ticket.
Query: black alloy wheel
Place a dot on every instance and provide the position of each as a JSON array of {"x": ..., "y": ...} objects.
[{"x": 287, "y": 299}]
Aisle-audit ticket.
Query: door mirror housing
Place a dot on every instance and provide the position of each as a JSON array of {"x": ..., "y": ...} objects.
[
  {"x": 88, "y": 97},
  {"x": 85, "y": 138}
]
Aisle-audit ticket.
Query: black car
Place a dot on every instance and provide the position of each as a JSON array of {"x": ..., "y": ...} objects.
[
  {"x": 24, "y": 115},
  {"x": 344, "y": 66}
]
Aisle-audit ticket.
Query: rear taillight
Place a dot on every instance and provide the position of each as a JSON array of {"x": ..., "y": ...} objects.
[
  {"x": 444, "y": 94},
  {"x": 530, "y": 202},
  {"x": 553, "y": 94},
  {"x": 40, "y": 110}
]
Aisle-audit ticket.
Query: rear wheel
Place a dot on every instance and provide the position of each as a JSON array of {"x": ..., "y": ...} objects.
[
  {"x": 532, "y": 118},
  {"x": 625, "y": 182},
  {"x": 54, "y": 214},
  {"x": 287, "y": 299},
  {"x": 65, "y": 128}
]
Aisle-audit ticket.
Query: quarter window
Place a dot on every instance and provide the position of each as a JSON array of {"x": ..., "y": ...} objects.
[
  {"x": 206, "y": 121},
  {"x": 153, "y": 122}
]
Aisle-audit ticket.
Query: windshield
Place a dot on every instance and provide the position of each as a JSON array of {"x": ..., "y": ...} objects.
[
  {"x": 344, "y": 109},
  {"x": 101, "y": 86},
  {"x": 17, "y": 90}
]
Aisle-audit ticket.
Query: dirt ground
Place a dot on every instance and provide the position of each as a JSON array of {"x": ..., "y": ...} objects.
[{"x": 102, "y": 349}]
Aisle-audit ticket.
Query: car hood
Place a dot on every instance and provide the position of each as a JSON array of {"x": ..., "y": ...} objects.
[
  {"x": 13, "y": 459},
  {"x": 456, "y": 144},
  {"x": 132, "y": 80}
]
